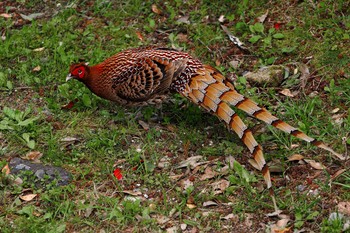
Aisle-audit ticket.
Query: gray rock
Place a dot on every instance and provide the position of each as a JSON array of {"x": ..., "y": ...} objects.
[{"x": 41, "y": 174}]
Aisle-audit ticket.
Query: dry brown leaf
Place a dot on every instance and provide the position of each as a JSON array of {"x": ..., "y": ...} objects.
[
  {"x": 338, "y": 173},
  {"x": 156, "y": 10},
  {"x": 287, "y": 92},
  {"x": 208, "y": 174},
  {"x": 144, "y": 125},
  {"x": 248, "y": 220},
  {"x": 234, "y": 64},
  {"x": 173, "y": 229},
  {"x": 18, "y": 181},
  {"x": 36, "y": 69},
  {"x": 28, "y": 197},
  {"x": 36, "y": 213},
  {"x": 231, "y": 216},
  {"x": 315, "y": 165},
  {"x": 6, "y": 169},
  {"x": 295, "y": 157},
  {"x": 139, "y": 35},
  {"x": 191, "y": 161},
  {"x": 152, "y": 206},
  {"x": 209, "y": 203},
  {"x": 186, "y": 184},
  {"x": 181, "y": 37},
  {"x": 282, "y": 223},
  {"x": 132, "y": 193},
  {"x": 175, "y": 177},
  {"x": 118, "y": 162},
  {"x": 284, "y": 230},
  {"x": 164, "y": 162},
  {"x": 184, "y": 19},
  {"x": 33, "y": 155},
  {"x": 161, "y": 219},
  {"x": 191, "y": 206},
  {"x": 344, "y": 207},
  {"x": 6, "y": 16},
  {"x": 220, "y": 186}
]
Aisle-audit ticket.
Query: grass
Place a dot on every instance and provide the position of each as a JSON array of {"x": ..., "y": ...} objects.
[{"x": 109, "y": 136}]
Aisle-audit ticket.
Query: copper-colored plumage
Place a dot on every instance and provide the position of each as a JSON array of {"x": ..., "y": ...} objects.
[{"x": 147, "y": 75}]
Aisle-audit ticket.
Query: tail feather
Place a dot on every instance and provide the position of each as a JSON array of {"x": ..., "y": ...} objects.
[{"x": 210, "y": 90}]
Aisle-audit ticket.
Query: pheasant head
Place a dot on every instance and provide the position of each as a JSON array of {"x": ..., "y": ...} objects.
[{"x": 80, "y": 71}]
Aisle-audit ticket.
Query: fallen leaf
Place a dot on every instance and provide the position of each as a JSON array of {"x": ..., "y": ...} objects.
[
  {"x": 139, "y": 35},
  {"x": 282, "y": 223},
  {"x": 191, "y": 206},
  {"x": 305, "y": 74},
  {"x": 335, "y": 110},
  {"x": 184, "y": 19},
  {"x": 220, "y": 186},
  {"x": 28, "y": 197},
  {"x": 191, "y": 161},
  {"x": 33, "y": 155},
  {"x": 175, "y": 177},
  {"x": 31, "y": 16},
  {"x": 161, "y": 219},
  {"x": 338, "y": 173},
  {"x": 39, "y": 49},
  {"x": 295, "y": 157},
  {"x": 156, "y": 10},
  {"x": 262, "y": 18},
  {"x": 173, "y": 229},
  {"x": 70, "y": 139},
  {"x": 6, "y": 169},
  {"x": 315, "y": 165},
  {"x": 209, "y": 203},
  {"x": 231, "y": 216},
  {"x": 18, "y": 181},
  {"x": 221, "y": 18},
  {"x": 36, "y": 69},
  {"x": 208, "y": 174},
  {"x": 152, "y": 206},
  {"x": 185, "y": 184},
  {"x": 344, "y": 207},
  {"x": 234, "y": 64},
  {"x": 132, "y": 193},
  {"x": 6, "y": 16},
  {"x": 164, "y": 162},
  {"x": 248, "y": 220},
  {"x": 36, "y": 213},
  {"x": 287, "y": 92},
  {"x": 144, "y": 125},
  {"x": 119, "y": 161}
]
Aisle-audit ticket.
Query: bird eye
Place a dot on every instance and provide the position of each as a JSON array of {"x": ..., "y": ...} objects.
[{"x": 80, "y": 71}]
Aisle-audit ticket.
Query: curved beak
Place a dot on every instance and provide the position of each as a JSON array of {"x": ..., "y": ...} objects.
[{"x": 69, "y": 77}]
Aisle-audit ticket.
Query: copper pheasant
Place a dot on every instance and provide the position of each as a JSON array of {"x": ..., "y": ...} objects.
[{"x": 147, "y": 75}]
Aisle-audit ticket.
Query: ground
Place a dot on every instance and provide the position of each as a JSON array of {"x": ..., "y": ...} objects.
[{"x": 174, "y": 168}]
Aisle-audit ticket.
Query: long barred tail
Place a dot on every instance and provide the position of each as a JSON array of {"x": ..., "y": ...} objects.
[{"x": 210, "y": 90}]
